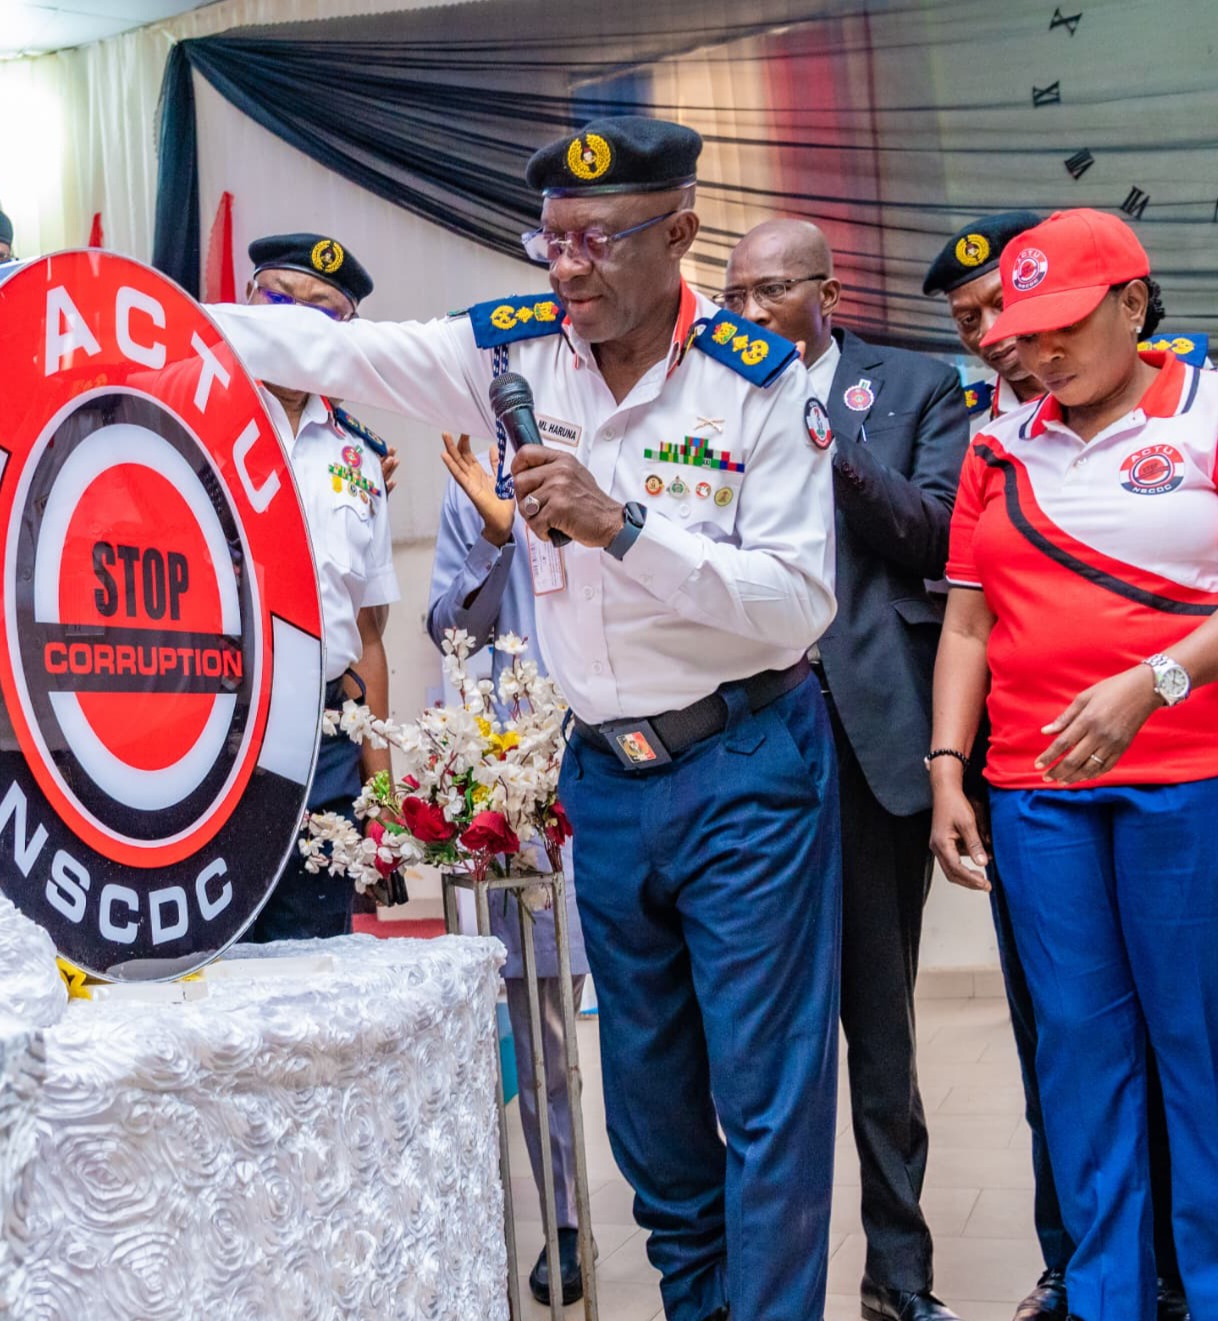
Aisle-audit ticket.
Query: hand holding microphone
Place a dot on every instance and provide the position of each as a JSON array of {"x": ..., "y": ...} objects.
[{"x": 512, "y": 404}]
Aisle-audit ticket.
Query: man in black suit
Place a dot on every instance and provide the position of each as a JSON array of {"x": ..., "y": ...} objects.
[{"x": 900, "y": 430}]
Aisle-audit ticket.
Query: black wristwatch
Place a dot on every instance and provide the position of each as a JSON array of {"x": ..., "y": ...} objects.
[{"x": 634, "y": 516}]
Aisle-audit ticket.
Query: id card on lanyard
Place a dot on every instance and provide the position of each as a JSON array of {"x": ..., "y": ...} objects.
[{"x": 546, "y": 564}]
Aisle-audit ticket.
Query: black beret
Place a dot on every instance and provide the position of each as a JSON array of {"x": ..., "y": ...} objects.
[
  {"x": 6, "y": 229},
  {"x": 315, "y": 254},
  {"x": 975, "y": 249},
  {"x": 625, "y": 154}
]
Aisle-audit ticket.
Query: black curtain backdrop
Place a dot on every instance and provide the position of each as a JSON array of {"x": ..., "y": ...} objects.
[{"x": 890, "y": 122}]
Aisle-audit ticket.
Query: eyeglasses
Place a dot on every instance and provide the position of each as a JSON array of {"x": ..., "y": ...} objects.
[
  {"x": 766, "y": 294},
  {"x": 545, "y": 246},
  {"x": 277, "y": 299}
]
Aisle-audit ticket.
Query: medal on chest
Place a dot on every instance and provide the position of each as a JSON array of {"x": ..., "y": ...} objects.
[{"x": 348, "y": 473}]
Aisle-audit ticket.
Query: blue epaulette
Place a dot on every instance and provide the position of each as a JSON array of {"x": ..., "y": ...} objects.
[
  {"x": 361, "y": 433},
  {"x": 506, "y": 320},
  {"x": 1193, "y": 349},
  {"x": 758, "y": 355},
  {"x": 978, "y": 396}
]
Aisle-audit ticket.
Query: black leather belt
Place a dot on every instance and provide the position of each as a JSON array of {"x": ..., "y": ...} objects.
[{"x": 678, "y": 730}]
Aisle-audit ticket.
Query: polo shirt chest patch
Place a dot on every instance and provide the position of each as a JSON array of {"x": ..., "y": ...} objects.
[{"x": 1153, "y": 470}]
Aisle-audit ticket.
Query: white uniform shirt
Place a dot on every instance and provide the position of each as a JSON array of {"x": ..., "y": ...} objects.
[
  {"x": 1003, "y": 400},
  {"x": 348, "y": 529},
  {"x": 718, "y": 586}
]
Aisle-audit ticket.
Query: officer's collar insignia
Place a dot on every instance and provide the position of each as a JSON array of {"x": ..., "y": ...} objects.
[
  {"x": 978, "y": 396},
  {"x": 589, "y": 156},
  {"x": 758, "y": 355},
  {"x": 327, "y": 256},
  {"x": 506, "y": 320},
  {"x": 354, "y": 427}
]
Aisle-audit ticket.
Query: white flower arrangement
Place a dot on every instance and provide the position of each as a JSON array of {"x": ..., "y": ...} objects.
[{"x": 475, "y": 789}]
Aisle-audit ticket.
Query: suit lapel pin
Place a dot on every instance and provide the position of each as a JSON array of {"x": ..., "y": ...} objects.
[{"x": 860, "y": 397}]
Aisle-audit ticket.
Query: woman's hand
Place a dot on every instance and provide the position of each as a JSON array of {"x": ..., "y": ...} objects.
[
  {"x": 1097, "y": 727},
  {"x": 479, "y": 485},
  {"x": 955, "y": 837}
]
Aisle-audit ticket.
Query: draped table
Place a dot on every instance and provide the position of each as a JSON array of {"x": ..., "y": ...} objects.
[{"x": 282, "y": 1148}]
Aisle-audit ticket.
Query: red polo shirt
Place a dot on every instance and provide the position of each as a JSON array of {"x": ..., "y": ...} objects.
[{"x": 1094, "y": 555}]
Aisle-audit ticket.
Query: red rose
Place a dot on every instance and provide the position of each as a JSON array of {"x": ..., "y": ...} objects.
[
  {"x": 426, "y": 821},
  {"x": 376, "y": 833},
  {"x": 558, "y": 827},
  {"x": 490, "y": 832}
]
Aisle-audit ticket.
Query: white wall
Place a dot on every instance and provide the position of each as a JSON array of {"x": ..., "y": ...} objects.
[{"x": 957, "y": 931}]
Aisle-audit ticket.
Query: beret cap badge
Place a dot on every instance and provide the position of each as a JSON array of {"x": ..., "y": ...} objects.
[
  {"x": 589, "y": 156},
  {"x": 327, "y": 256},
  {"x": 972, "y": 250}
]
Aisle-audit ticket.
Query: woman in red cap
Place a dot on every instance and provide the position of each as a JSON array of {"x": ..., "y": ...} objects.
[{"x": 1084, "y": 581}]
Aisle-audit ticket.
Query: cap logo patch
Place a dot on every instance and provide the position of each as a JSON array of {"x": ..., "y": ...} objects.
[
  {"x": 327, "y": 256},
  {"x": 972, "y": 250},
  {"x": 1031, "y": 267},
  {"x": 589, "y": 156}
]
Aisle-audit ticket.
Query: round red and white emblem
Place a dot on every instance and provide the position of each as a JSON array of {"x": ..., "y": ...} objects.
[
  {"x": 1155, "y": 470},
  {"x": 160, "y": 653},
  {"x": 1031, "y": 267}
]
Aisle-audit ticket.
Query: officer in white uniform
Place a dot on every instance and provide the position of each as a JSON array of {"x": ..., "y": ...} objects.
[
  {"x": 336, "y": 463},
  {"x": 681, "y": 457}
]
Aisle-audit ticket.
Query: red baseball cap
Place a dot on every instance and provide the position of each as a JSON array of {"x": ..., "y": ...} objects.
[{"x": 1059, "y": 271}]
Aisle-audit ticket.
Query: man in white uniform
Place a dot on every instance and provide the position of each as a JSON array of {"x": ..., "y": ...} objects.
[
  {"x": 336, "y": 463},
  {"x": 700, "y": 776}
]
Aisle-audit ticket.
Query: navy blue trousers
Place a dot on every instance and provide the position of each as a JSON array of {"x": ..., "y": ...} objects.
[
  {"x": 710, "y": 897},
  {"x": 1114, "y": 908},
  {"x": 305, "y": 904}
]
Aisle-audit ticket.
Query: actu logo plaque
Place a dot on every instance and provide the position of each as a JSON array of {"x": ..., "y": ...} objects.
[{"x": 160, "y": 652}]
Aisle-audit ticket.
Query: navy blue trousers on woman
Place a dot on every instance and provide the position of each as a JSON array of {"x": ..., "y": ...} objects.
[
  {"x": 1114, "y": 909},
  {"x": 710, "y": 897}
]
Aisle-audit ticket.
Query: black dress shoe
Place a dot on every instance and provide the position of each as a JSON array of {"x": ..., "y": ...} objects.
[
  {"x": 1047, "y": 1302},
  {"x": 1173, "y": 1306},
  {"x": 568, "y": 1260},
  {"x": 883, "y": 1304},
  {"x": 719, "y": 1314}
]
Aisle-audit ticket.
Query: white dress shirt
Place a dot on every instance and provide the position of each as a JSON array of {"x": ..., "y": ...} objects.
[
  {"x": 717, "y": 587},
  {"x": 823, "y": 370},
  {"x": 348, "y": 528}
]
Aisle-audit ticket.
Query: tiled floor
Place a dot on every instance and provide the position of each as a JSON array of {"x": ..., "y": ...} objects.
[{"x": 978, "y": 1196}]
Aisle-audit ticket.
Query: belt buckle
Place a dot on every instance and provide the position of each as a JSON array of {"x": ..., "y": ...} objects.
[{"x": 636, "y": 744}]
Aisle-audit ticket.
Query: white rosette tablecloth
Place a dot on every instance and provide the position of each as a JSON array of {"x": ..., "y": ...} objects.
[{"x": 274, "y": 1150}]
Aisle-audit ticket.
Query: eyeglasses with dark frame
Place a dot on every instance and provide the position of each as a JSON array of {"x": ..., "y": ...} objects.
[
  {"x": 276, "y": 298},
  {"x": 545, "y": 246},
  {"x": 766, "y": 292}
]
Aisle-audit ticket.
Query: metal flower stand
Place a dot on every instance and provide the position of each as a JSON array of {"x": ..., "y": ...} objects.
[{"x": 554, "y": 884}]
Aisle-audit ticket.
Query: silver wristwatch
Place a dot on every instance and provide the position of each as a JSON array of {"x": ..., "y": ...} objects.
[{"x": 1171, "y": 678}]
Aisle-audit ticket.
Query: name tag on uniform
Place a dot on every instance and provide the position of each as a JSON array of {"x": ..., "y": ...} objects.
[
  {"x": 546, "y": 565},
  {"x": 561, "y": 433}
]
